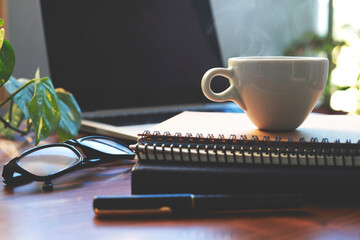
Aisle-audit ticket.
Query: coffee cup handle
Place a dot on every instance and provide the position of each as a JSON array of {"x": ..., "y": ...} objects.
[{"x": 229, "y": 94}]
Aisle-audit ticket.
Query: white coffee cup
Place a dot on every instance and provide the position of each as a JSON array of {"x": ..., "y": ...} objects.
[{"x": 277, "y": 93}]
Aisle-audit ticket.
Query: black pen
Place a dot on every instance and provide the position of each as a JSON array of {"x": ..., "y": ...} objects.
[{"x": 189, "y": 203}]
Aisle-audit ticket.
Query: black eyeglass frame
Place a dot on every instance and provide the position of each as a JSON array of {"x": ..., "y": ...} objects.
[{"x": 92, "y": 157}]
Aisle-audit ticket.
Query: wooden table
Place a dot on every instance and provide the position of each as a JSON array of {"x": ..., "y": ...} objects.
[{"x": 66, "y": 213}]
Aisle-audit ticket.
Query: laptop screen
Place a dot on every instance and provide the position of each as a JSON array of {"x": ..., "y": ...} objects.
[{"x": 123, "y": 53}]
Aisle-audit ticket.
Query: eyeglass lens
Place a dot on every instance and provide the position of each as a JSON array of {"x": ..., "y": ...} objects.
[
  {"x": 47, "y": 161},
  {"x": 105, "y": 145}
]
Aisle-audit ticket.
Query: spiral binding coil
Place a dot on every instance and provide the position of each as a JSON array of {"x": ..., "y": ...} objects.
[{"x": 198, "y": 148}]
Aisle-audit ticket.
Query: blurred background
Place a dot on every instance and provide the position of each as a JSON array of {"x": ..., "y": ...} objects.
[{"x": 327, "y": 28}]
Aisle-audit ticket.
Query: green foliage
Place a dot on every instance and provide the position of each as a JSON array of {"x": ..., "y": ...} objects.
[
  {"x": 44, "y": 108},
  {"x": 15, "y": 117},
  {"x": 7, "y": 61},
  {"x": 70, "y": 114},
  {"x": 2, "y": 37},
  {"x": 311, "y": 44},
  {"x": 22, "y": 100},
  {"x": 35, "y": 103}
]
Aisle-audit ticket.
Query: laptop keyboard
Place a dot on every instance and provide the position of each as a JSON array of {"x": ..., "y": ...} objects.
[{"x": 137, "y": 118}]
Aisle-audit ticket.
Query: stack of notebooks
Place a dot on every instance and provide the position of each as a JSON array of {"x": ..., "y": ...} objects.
[{"x": 224, "y": 153}]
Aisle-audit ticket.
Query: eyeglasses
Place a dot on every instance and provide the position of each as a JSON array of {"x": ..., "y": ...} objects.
[{"x": 47, "y": 162}]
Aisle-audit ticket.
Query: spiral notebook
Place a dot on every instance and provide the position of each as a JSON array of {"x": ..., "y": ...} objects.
[
  {"x": 224, "y": 153},
  {"x": 230, "y": 138}
]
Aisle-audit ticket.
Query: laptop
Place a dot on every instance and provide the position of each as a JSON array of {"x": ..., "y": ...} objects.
[{"x": 132, "y": 64}]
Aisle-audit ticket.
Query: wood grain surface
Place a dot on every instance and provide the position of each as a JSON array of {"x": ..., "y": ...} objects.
[{"x": 66, "y": 213}]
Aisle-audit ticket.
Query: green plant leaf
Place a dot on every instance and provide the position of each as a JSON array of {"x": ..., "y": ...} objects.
[
  {"x": 2, "y": 33},
  {"x": 16, "y": 119},
  {"x": 2, "y": 37},
  {"x": 343, "y": 88},
  {"x": 70, "y": 119},
  {"x": 23, "y": 98},
  {"x": 44, "y": 108},
  {"x": 7, "y": 61}
]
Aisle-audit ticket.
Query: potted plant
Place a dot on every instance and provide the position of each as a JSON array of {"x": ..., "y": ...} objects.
[{"x": 34, "y": 105}]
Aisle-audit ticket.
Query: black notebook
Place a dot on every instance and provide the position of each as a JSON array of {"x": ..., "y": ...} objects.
[
  {"x": 327, "y": 183},
  {"x": 223, "y": 153}
]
